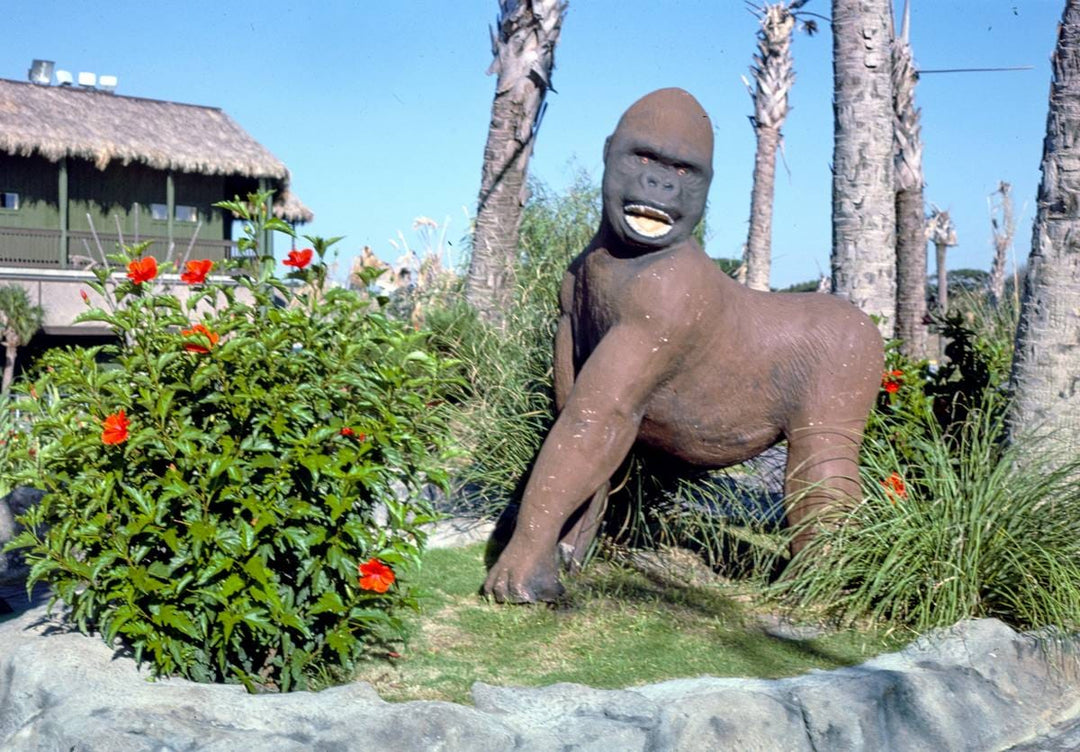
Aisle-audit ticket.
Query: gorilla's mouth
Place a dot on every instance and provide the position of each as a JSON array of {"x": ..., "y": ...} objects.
[{"x": 647, "y": 221}]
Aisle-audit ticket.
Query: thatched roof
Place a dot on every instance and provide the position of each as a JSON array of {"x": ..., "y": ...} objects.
[{"x": 70, "y": 121}]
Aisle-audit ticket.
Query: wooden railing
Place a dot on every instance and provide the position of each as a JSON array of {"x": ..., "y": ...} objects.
[
  {"x": 41, "y": 248},
  {"x": 83, "y": 245},
  {"x": 24, "y": 247}
]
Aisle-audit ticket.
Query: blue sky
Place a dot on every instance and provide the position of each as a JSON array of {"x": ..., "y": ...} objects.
[{"x": 380, "y": 110}]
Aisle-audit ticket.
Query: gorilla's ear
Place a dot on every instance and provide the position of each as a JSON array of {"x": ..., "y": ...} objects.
[{"x": 607, "y": 148}]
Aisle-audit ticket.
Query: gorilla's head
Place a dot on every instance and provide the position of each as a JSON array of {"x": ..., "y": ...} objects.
[{"x": 657, "y": 169}]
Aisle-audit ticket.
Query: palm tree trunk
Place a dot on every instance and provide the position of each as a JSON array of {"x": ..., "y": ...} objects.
[
  {"x": 524, "y": 49},
  {"x": 11, "y": 350},
  {"x": 1003, "y": 236},
  {"x": 758, "y": 242},
  {"x": 940, "y": 250},
  {"x": 864, "y": 208},
  {"x": 911, "y": 272},
  {"x": 1046, "y": 365},
  {"x": 774, "y": 74},
  {"x": 910, "y": 209}
]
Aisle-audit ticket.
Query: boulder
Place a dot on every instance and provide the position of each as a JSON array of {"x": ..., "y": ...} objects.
[{"x": 976, "y": 686}]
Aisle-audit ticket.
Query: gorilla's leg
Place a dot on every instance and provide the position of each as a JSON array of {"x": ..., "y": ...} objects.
[{"x": 822, "y": 477}]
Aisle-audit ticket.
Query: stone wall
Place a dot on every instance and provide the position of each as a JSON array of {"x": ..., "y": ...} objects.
[{"x": 978, "y": 686}]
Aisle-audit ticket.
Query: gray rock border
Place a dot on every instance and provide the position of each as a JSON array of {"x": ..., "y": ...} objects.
[{"x": 977, "y": 686}]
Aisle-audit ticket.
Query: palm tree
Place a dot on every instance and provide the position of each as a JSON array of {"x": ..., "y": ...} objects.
[
  {"x": 864, "y": 201},
  {"x": 910, "y": 217},
  {"x": 942, "y": 233},
  {"x": 1003, "y": 232},
  {"x": 774, "y": 74},
  {"x": 19, "y": 321},
  {"x": 1047, "y": 360},
  {"x": 524, "y": 50}
]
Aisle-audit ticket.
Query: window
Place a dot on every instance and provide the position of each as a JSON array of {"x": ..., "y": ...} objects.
[
  {"x": 9, "y": 200},
  {"x": 160, "y": 212},
  {"x": 187, "y": 214}
]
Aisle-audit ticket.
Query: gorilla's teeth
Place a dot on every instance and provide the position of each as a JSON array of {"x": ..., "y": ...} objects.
[
  {"x": 648, "y": 221},
  {"x": 650, "y": 228}
]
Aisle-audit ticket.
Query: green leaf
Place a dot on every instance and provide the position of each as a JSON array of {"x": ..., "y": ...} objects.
[
  {"x": 171, "y": 616},
  {"x": 202, "y": 531},
  {"x": 256, "y": 568},
  {"x": 328, "y": 602}
]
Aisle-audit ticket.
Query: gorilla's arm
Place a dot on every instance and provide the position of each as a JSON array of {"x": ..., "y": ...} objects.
[
  {"x": 563, "y": 363},
  {"x": 600, "y": 422}
]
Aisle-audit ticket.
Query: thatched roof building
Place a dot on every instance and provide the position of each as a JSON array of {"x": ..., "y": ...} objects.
[{"x": 69, "y": 121}]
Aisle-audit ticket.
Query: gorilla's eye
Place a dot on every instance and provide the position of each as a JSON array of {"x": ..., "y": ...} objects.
[
  {"x": 643, "y": 159},
  {"x": 682, "y": 172}
]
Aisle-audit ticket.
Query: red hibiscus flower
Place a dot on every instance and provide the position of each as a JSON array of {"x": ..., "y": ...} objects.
[
  {"x": 115, "y": 428},
  {"x": 346, "y": 431},
  {"x": 196, "y": 271},
  {"x": 375, "y": 576},
  {"x": 891, "y": 381},
  {"x": 142, "y": 270},
  {"x": 894, "y": 487},
  {"x": 299, "y": 259},
  {"x": 85, "y": 297},
  {"x": 204, "y": 336}
]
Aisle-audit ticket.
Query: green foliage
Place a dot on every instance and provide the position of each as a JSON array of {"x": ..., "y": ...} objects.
[
  {"x": 810, "y": 285},
  {"x": 507, "y": 406},
  {"x": 19, "y": 318},
  {"x": 955, "y": 522},
  {"x": 728, "y": 516},
  {"x": 210, "y": 497},
  {"x": 950, "y": 528},
  {"x": 19, "y": 321}
]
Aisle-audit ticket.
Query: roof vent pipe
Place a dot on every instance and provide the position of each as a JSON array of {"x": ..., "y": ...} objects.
[{"x": 41, "y": 72}]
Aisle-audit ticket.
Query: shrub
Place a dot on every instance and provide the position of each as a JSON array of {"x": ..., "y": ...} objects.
[{"x": 235, "y": 492}]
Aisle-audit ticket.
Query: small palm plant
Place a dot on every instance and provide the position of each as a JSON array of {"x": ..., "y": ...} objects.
[{"x": 19, "y": 322}]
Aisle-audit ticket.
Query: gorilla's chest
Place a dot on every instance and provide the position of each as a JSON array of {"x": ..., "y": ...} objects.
[{"x": 609, "y": 291}]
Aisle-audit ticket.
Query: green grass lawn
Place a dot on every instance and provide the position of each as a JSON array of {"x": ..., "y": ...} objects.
[{"x": 621, "y": 626}]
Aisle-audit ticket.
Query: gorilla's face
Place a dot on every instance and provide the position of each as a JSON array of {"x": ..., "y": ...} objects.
[{"x": 657, "y": 169}]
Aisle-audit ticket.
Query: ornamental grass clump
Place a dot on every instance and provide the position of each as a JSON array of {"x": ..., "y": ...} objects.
[
  {"x": 955, "y": 521},
  {"x": 507, "y": 406},
  {"x": 232, "y": 490}
]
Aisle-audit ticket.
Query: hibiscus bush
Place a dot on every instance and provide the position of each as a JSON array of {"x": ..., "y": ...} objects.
[{"x": 234, "y": 487}]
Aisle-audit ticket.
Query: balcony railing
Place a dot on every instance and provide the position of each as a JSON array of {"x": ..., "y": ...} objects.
[
  {"x": 41, "y": 248},
  {"x": 35, "y": 248}
]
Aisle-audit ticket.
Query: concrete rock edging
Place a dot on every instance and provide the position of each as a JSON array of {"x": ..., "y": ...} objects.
[{"x": 976, "y": 686}]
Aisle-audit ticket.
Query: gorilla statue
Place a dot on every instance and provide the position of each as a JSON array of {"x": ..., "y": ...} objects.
[{"x": 656, "y": 345}]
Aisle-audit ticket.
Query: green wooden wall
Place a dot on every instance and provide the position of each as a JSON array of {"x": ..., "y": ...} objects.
[
  {"x": 124, "y": 192},
  {"x": 35, "y": 180}
]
